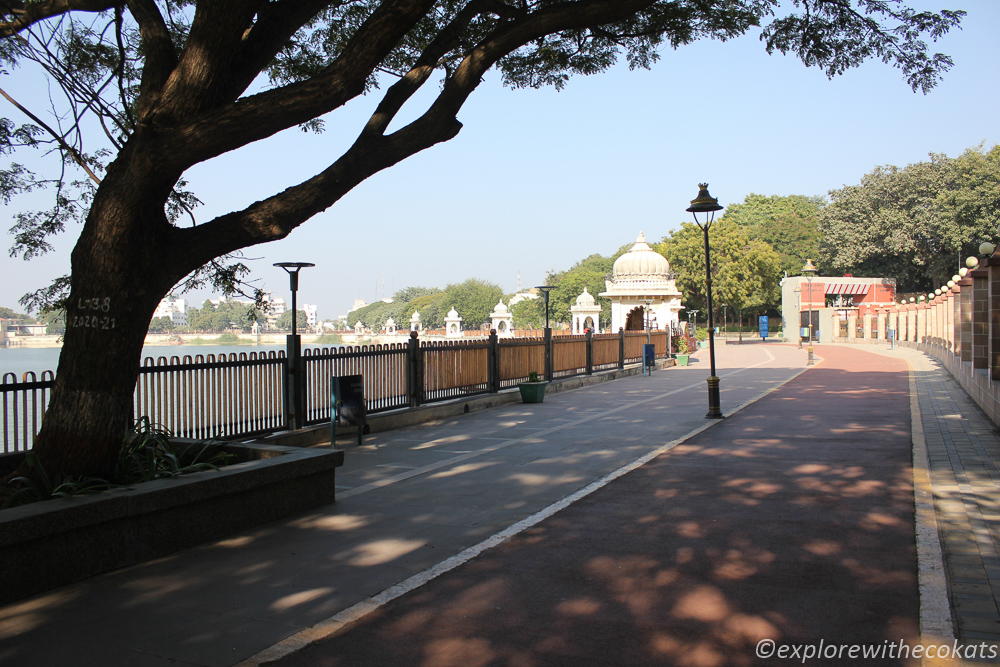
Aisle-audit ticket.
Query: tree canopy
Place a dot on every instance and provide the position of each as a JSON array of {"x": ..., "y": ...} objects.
[
  {"x": 915, "y": 224},
  {"x": 746, "y": 272},
  {"x": 143, "y": 90},
  {"x": 789, "y": 224}
]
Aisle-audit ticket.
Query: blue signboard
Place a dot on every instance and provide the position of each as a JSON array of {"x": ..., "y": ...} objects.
[{"x": 762, "y": 320}]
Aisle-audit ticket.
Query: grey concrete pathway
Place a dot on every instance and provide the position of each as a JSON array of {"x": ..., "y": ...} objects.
[{"x": 407, "y": 500}]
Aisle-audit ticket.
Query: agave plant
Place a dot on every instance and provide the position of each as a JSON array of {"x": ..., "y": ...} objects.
[
  {"x": 146, "y": 454},
  {"x": 38, "y": 485}
]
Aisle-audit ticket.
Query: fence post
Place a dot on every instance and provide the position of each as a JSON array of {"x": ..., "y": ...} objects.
[
  {"x": 590, "y": 352},
  {"x": 413, "y": 380},
  {"x": 621, "y": 348},
  {"x": 493, "y": 363},
  {"x": 548, "y": 354}
]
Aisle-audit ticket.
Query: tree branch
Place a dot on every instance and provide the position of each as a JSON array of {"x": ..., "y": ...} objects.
[
  {"x": 262, "y": 115},
  {"x": 26, "y": 14},
  {"x": 55, "y": 135},
  {"x": 158, "y": 49},
  {"x": 277, "y": 216}
]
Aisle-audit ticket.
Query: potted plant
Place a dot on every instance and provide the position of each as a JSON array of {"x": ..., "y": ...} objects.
[
  {"x": 683, "y": 351},
  {"x": 532, "y": 391}
]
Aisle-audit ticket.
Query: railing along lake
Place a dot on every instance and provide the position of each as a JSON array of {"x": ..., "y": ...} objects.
[{"x": 244, "y": 394}]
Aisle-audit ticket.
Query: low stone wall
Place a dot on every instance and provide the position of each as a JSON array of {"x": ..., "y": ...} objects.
[
  {"x": 52, "y": 543},
  {"x": 975, "y": 381}
]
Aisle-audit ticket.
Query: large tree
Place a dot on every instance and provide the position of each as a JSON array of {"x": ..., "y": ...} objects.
[
  {"x": 172, "y": 83},
  {"x": 914, "y": 224},
  {"x": 789, "y": 224},
  {"x": 746, "y": 272}
]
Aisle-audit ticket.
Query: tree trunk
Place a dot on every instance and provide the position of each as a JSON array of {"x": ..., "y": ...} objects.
[{"x": 121, "y": 268}]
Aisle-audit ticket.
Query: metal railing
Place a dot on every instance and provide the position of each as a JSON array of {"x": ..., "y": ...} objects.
[
  {"x": 383, "y": 368},
  {"x": 213, "y": 397},
  {"x": 24, "y": 403},
  {"x": 246, "y": 394}
]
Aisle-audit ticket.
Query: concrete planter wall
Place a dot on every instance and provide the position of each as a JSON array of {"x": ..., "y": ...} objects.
[{"x": 52, "y": 543}]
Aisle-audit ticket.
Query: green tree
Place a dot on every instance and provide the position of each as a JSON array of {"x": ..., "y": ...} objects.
[
  {"x": 789, "y": 224},
  {"x": 174, "y": 84},
  {"x": 746, "y": 273},
  {"x": 529, "y": 313},
  {"x": 588, "y": 273},
  {"x": 284, "y": 322},
  {"x": 161, "y": 325},
  {"x": 914, "y": 224},
  {"x": 374, "y": 315},
  {"x": 432, "y": 310},
  {"x": 9, "y": 314},
  {"x": 408, "y": 294},
  {"x": 474, "y": 300},
  {"x": 54, "y": 319}
]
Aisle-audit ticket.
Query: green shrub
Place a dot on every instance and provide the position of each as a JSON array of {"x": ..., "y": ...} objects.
[
  {"x": 228, "y": 338},
  {"x": 682, "y": 345},
  {"x": 146, "y": 454}
]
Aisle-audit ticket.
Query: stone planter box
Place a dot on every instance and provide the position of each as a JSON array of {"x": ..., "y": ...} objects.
[{"x": 52, "y": 543}]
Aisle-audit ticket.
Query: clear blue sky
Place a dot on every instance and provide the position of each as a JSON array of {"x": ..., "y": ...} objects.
[{"x": 539, "y": 179}]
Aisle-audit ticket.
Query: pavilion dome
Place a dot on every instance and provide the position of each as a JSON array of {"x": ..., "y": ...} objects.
[
  {"x": 452, "y": 314},
  {"x": 640, "y": 263},
  {"x": 585, "y": 299},
  {"x": 500, "y": 308}
]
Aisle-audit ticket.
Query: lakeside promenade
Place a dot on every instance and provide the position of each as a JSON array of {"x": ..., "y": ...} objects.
[{"x": 791, "y": 520}]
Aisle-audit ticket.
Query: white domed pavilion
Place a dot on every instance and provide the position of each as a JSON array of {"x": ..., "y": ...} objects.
[
  {"x": 639, "y": 276},
  {"x": 453, "y": 324},
  {"x": 502, "y": 321},
  {"x": 586, "y": 313}
]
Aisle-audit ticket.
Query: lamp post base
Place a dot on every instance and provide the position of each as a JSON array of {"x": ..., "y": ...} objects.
[{"x": 714, "y": 402}]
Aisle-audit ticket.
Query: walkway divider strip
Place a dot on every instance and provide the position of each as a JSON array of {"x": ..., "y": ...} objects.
[
  {"x": 935, "y": 609},
  {"x": 356, "y": 612}
]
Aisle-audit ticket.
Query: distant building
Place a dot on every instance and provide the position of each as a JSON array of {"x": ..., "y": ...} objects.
[
  {"x": 310, "y": 310},
  {"x": 19, "y": 328},
  {"x": 836, "y": 303},
  {"x": 174, "y": 308},
  {"x": 276, "y": 307},
  {"x": 358, "y": 304}
]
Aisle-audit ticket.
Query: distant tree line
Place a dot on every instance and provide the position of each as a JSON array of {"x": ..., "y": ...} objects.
[{"x": 914, "y": 224}]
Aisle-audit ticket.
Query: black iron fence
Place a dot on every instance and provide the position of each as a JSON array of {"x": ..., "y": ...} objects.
[{"x": 246, "y": 393}]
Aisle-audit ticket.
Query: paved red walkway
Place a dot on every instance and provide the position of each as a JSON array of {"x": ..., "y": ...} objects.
[{"x": 791, "y": 520}]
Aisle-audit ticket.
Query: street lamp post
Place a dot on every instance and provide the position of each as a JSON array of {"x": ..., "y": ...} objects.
[
  {"x": 545, "y": 289},
  {"x": 645, "y": 360},
  {"x": 694, "y": 314},
  {"x": 708, "y": 205},
  {"x": 295, "y": 387},
  {"x": 810, "y": 270}
]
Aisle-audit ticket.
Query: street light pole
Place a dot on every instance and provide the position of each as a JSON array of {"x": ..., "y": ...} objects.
[
  {"x": 810, "y": 270},
  {"x": 295, "y": 387},
  {"x": 708, "y": 205},
  {"x": 545, "y": 289}
]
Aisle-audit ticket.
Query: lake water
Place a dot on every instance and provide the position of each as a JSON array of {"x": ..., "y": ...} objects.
[{"x": 18, "y": 360}]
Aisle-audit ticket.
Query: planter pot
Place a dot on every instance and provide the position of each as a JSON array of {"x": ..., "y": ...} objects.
[
  {"x": 682, "y": 359},
  {"x": 532, "y": 392}
]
